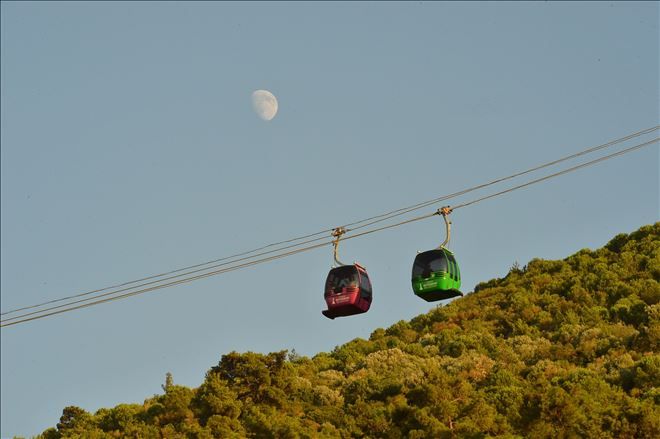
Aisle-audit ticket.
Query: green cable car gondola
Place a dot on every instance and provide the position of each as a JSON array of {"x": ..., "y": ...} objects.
[{"x": 435, "y": 273}]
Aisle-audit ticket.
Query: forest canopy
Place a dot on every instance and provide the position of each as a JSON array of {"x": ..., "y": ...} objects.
[{"x": 553, "y": 349}]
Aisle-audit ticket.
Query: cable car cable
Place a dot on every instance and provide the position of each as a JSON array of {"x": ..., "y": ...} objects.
[
  {"x": 382, "y": 228},
  {"x": 169, "y": 272},
  {"x": 499, "y": 180},
  {"x": 152, "y": 282},
  {"x": 157, "y": 287},
  {"x": 556, "y": 174},
  {"x": 33, "y": 316},
  {"x": 373, "y": 220}
]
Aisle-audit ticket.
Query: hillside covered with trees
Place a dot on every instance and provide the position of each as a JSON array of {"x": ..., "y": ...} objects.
[{"x": 554, "y": 349}]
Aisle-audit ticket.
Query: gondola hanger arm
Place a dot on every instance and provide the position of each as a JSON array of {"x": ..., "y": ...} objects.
[
  {"x": 337, "y": 233},
  {"x": 445, "y": 211}
]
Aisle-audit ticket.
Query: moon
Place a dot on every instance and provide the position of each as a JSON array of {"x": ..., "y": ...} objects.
[{"x": 264, "y": 104}]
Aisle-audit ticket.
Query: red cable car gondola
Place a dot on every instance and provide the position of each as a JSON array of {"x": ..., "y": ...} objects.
[
  {"x": 347, "y": 287},
  {"x": 347, "y": 291}
]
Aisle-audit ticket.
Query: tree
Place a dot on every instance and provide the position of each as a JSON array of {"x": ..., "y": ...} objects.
[{"x": 169, "y": 381}]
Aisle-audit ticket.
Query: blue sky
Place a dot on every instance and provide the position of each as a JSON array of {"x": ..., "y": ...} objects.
[{"x": 129, "y": 147}]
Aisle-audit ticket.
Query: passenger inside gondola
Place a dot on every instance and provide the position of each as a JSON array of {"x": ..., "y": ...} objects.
[
  {"x": 430, "y": 262},
  {"x": 347, "y": 282},
  {"x": 343, "y": 277}
]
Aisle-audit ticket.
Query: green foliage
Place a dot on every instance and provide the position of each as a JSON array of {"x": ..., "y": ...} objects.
[{"x": 554, "y": 349}]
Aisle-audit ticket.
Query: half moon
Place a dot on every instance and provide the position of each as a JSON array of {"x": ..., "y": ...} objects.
[{"x": 264, "y": 104}]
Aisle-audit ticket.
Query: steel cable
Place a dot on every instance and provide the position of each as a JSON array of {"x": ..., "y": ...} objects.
[
  {"x": 67, "y": 307},
  {"x": 367, "y": 222}
]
